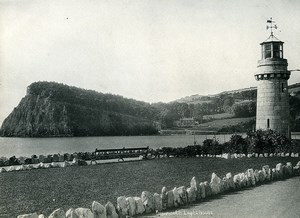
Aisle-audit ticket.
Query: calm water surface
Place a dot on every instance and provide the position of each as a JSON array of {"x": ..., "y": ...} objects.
[
  {"x": 29, "y": 146},
  {"x": 45, "y": 146}
]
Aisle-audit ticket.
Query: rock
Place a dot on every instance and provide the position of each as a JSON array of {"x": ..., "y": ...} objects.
[
  {"x": 225, "y": 186},
  {"x": 139, "y": 206},
  {"x": 2, "y": 170},
  {"x": 40, "y": 166},
  {"x": 208, "y": 191},
  {"x": 274, "y": 174},
  {"x": 170, "y": 199},
  {"x": 256, "y": 176},
  {"x": 226, "y": 156},
  {"x": 298, "y": 164},
  {"x": 84, "y": 213},
  {"x": 164, "y": 198},
  {"x": 267, "y": 172},
  {"x": 192, "y": 191},
  {"x": 296, "y": 170},
  {"x": 157, "y": 202},
  {"x": 192, "y": 194},
  {"x": 251, "y": 177},
  {"x": 74, "y": 162},
  {"x": 147, "y": 199},
  {"x": 66, "y": 164},
  {"x": 215, "y": 184},
  {"x": 47, "y": 166},
  {"x": 177, "y": 200},
  {"x": 58, "y": 213},
  {"x": 285, "y": 171},
  {"x": 182, "y": 195},
  {"x": 54, "y": 164},
  {"x": 71, "y": 213},
  {"x": 289, "y": 166},
  {"x": 237, "y": 181},
  {"x": 122, "y": 206},
  {"x": 194, "y": 185},
  {"x": 98, "y": 210},
  {"x": 261, "y": 176},
  {"x": 31, "y": 215},
  {"x": 41, "y": 216},
  {"x": 279, "y": 169},
  {"x": 27, "y": 167},
  {"x": 243, "y": 180},
  {"x": 201, "y": 187},
  {"x": 131, "y": 206},
  {"x": 111, "y": 210},
  {"x": 10, "y": 169},
  {"x": 230, "y": 181},
  {"x": 19, "y": 168}
]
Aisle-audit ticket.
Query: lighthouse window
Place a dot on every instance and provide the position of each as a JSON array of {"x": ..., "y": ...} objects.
[
  {"x": 267, "y": 50},
  {"x": 282, "y": 87},
  {"x": 277, "y": 50},
  {"x": 268, "y": 123}
]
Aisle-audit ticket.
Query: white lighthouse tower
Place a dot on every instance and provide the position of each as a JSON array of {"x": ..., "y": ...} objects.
[{"x": 272, "y": 91}]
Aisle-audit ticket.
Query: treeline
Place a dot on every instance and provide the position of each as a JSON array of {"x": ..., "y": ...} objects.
[
  {"x": 92, "y": 99},
  {"x": 54, "y": 109},
  {"x": 171, "y": 112},
  {"x": 260, "y": 142},
  {"x": 295, "y": 113},
  {"x": 164, "y": 113},
  {"x": 240, "y": 104}
]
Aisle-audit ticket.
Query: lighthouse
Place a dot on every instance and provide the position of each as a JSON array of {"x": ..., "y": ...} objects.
[{"x": 272, "y": 110}]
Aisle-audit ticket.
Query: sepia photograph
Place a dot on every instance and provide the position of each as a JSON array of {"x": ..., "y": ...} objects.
[{"x": 149, "y": 108}]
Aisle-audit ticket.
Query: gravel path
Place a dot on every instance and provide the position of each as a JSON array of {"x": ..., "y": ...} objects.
[{"x": 278, "y": 199}]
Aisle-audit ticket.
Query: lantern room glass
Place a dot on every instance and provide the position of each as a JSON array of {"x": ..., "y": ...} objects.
[{"x": 272, "y": 50}]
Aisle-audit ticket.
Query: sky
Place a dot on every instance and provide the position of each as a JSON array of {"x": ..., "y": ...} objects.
[{"x": 149, "y": 50}]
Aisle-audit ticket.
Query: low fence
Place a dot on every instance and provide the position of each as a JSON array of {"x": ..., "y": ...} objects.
[
  {"x": 78, "y": 162},
  {"x": 149, "y": 203}
]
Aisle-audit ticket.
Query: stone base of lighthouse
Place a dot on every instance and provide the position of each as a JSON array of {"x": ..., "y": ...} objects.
[{"x": 273, "y": 106}]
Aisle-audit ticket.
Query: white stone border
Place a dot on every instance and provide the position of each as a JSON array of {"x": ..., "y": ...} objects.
[{"x": 172, "y": 199}]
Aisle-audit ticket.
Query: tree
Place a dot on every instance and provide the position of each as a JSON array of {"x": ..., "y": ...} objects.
[
  {"x": 267, "y": 141},
  {"x": 13, "y": 161},
  {"x": 211, "y": 146},
  {"x": 238, "y": 144},
  {"x": 244, "y": 109}
]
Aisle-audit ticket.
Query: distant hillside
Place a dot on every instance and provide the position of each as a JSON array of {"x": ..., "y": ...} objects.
[
  {"x": 53, "y": 109},
  {"x": 246, "y": 93}
]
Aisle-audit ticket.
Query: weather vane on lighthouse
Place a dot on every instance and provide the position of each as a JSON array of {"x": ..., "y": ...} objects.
[{"x": 270, "y": 25}]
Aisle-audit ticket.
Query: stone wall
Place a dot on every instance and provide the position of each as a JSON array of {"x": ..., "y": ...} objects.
[
  {"x": 273, "y": 105},
  {"x": 197, "y": 191}
]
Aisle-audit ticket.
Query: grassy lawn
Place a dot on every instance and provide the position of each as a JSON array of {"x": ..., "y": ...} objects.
[
  {"x": 44, "y": 190},
  {"x": 218, "y": 116},
  {"x": 218, "y": 124}
]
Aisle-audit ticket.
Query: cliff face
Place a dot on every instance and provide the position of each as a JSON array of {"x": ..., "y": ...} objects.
[{"x": 52, "y": 109}]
